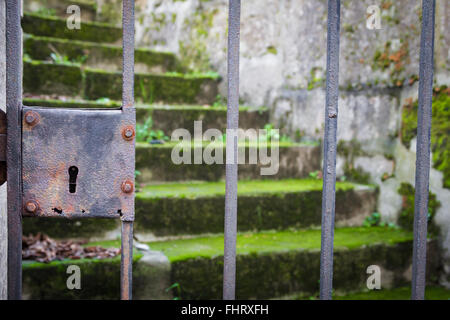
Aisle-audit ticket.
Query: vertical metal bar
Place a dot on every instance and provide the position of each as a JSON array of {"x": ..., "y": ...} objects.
[
  {"x": 423, "y": 149},
  {"x": 13, "y": 158},
  {"x": 126, "y": 265},
  {"x": 128, "y": 54},
  {"x": 329, "y": 163},
  {"x": 229, "y": 271}
]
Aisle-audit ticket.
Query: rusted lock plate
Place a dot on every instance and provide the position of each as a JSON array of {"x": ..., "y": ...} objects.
[{"x": 78, "y": 163}]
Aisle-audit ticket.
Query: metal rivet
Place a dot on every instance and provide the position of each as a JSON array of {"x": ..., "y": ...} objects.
[
  {"x": 127, "y": 186},
  {"x": 128, "y": 133},
  {"x": 31, "y": 206},
  {"x": 31, "y": 118}
]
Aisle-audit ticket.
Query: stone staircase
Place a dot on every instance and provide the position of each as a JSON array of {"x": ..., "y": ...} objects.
[{"x": 180, "y": 208}]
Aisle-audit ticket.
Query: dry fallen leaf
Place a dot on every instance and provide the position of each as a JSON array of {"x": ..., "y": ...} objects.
[{"x": 42, "y": 248}]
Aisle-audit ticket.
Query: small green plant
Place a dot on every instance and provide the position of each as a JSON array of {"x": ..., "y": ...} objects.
[
  {"x": 137, "y": 173},
  {"x": 26, "y": 57},
  {"x": 220, "y": 101},
  {"x": 63, "y": 59},
  {"x": 374, "y": 220},
  {"x": 175, "y": 287},
  {"x": 145, "y": 133},
  {"x": 270, "y": 134},
  {"x": 147, "y": 93},
  {"x": 316, "y": 175}
]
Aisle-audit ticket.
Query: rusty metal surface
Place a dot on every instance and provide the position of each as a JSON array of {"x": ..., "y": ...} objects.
[
  {"x": 75, "y": 163},
  {"x": 329, "y": 162},
  {"x": 3, "y": 129},
  {"x": 13, "y": 156},
  {"x": 126, "y": 264},
  {"x": 423, "y": 150},
  {"x": 128, "y": 134}
]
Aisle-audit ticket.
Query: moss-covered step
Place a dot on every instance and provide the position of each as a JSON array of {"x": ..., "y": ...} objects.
[
  {"x": 404, "y": 293},
  {"x": 43, "y": 77},
  {"x": 74, "y": 228},
  {"x": 154, "y": 163},
  {"x": 88, "y": 9},
  {"x": 276, "y": 264},
  {"x": 198, "y": 207},
  {"x": 100, "y": 279},
  {"x": 171, "y": 117},
  {"x": 149, "y": 88},
  {"x": 50, "y": 26},
  {"x": 40, "y": 77},
  {"x": 269, "y": 265},
  {"x": 98, "y": 55}
]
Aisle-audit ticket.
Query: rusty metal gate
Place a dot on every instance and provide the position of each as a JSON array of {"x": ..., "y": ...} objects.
[
  {"x": 80, "y": 163},
  {"x": 68, "y": 163}
]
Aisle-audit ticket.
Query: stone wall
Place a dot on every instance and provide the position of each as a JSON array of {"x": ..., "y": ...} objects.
[{"x": 283, "y": 64}]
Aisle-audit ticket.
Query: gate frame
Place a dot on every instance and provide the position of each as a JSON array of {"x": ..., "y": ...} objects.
[{"x": 14, "y": 109}]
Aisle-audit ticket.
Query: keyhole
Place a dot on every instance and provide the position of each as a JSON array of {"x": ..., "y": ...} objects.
[{"x": 73, "y": 172}]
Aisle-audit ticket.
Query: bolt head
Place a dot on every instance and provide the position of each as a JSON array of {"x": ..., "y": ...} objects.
[
  {"x": 127, "y": 186},
  {"x": 128, "y": 133},
  {"x": 31, "y": 118},
  {"x": 31, "y": 206}
]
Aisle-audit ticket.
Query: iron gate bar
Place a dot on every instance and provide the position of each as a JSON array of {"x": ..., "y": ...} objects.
[
  {"x": 423, "y": 149},
  {"x": 127, "y": 107},
  {"x": 14, "y": 152},
  {"x": 231, "y": 171},
  {"x": 329, "y": 162}
]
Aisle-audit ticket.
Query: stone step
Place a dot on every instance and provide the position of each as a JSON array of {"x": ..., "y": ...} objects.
[
  {"x": 41, "y": 77},
  {"x": 432, "y": 292},
  {"x": 269, "y": 265},
  {"x": 180, "y": 209},
  {"x": 48, "y": 26},
  {"x": 98, "y": 55},
  {"x": 169, "y": 117},
  {"x": 88, "y": 9},
  {"x": 175, "y": 209},
  {"x": 155, "y": 164}
]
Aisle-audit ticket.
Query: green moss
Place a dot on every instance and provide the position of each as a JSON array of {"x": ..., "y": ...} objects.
[
  {"x": 291, "y": 264},
  {"x": 256, "y": 187},
  {"x": 78, "y": 228},
  {"x": 155, "y": 163},
  {"x": 406, "y": 218},
  {"x": 195, "y": 208},
  {"x": 56, "y": 27},
  {"x": 315, "y": 78},
  {"x": 388, "y": 60},
  {"x": 350, "y": 150},
  {"x": 248, "y": 243},
  {"x": 153, "y": 88},
  {"x": 100, "y": 279},
  {"x": 40, "y": 48},
  {"x": 75, "y": 103},
  {"x": 193, "y": 51},
  {"x": 440, "y": 130},
  {"x": 48, "y": 78},
  {"x": 272, "y": 50},
  {"x": 110, "y": 12},
  {"x": 431, "y": 293}
]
